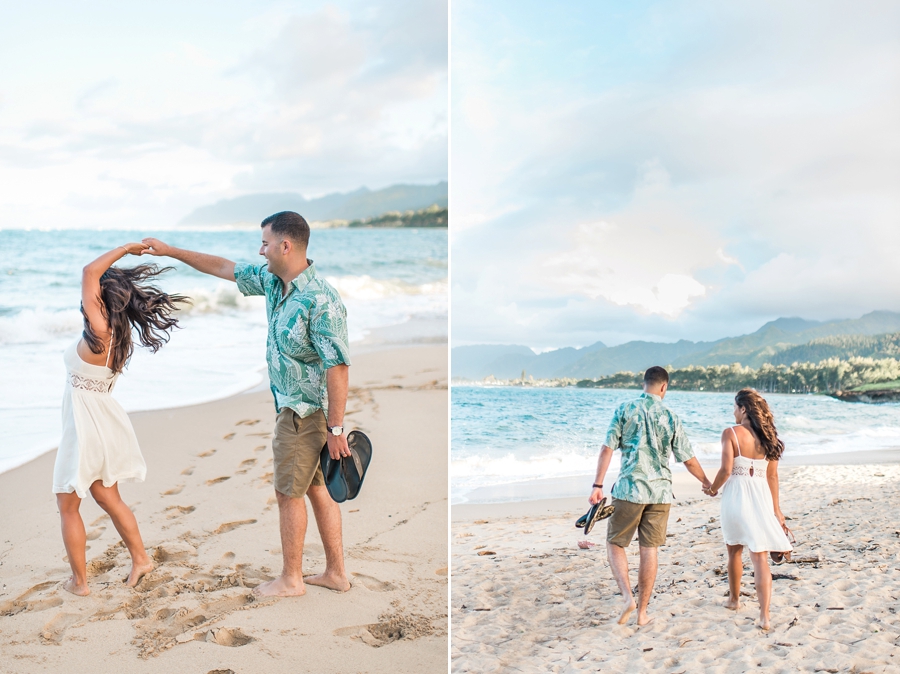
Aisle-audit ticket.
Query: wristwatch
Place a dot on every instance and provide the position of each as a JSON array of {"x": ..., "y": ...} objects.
[{"x": 336, "y": 430}]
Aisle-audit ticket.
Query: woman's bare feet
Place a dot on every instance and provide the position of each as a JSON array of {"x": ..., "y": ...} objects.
[
  {"x": 138, "y": 571},
  {"x": 627, "y": 610},
  {"x": 71, "y": 586},
  {"x": 733, "y": 603},
  {"x": 329, "y": 581},
  {"x": 280, "y": 587}
]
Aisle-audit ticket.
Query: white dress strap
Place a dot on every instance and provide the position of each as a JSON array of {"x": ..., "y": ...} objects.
[
  {"x": 109, "y": 349},
  {"x": 736, "y": 441}
]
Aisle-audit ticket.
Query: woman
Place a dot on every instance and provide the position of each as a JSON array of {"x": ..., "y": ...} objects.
[
  {"x": 751, "y": 515},
  {"x": 98, "y": 448}
]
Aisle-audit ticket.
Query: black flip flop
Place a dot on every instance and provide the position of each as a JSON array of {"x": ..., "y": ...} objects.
[
  {"x": 344, "y": 476},
  {"x": 598, "y": 511}
]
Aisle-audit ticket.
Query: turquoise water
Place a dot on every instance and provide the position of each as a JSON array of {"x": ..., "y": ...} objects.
[
  {"x": 385, "y": 277},
  {"x": 502, "y": 435}
]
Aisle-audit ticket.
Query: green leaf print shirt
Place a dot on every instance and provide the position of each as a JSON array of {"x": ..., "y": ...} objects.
[
  {"x": 307, "y": 334},
  {"x": 646, "y": 431}
]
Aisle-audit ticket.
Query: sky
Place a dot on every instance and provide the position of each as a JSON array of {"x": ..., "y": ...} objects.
[
  {"x": 670, "y": 170},
  {"x": 134, "y": 114}
]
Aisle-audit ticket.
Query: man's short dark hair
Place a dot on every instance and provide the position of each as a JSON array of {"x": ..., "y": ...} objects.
[
  {"x": 655, "y": 376},
  {"x": 289, "y": 225}
]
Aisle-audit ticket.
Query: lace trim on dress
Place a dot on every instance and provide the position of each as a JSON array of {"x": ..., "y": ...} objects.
[
  {"x": 745, "y": 470},
  {"x": 90, "y": 384}
]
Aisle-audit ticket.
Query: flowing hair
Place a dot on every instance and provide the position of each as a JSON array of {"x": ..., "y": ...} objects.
[
  {"x": 129, "y": 301},
  {"x": 761, "y": 421}
]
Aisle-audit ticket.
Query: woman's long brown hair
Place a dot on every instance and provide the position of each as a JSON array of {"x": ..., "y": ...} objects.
[
  {"x": 761, "y": 421},
  {"x": 130, "y": 301}
]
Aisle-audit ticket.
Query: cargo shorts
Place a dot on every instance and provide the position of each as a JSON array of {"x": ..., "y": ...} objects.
[
  {"x": 649, "y": 519},
  {"x": 297, "y": 445}
]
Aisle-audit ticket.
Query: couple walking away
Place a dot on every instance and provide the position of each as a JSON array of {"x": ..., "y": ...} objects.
[
  {"x": 646, "y": 431},
  {"x": 308, "y": 358}
]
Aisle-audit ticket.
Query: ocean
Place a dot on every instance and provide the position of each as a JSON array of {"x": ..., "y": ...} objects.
[
  {"x": 503, "y": 435},
  {"x": 386, "y": 277}
]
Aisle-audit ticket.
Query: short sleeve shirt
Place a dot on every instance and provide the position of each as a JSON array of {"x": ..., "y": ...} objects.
[
  {"x": 646, "y": 432},
  {"x": 307, "y": 334}
]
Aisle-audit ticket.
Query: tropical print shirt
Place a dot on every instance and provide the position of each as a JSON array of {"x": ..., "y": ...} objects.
[
  {"x": 307, "y": 334},
  {"x": 646, "y": 431}
]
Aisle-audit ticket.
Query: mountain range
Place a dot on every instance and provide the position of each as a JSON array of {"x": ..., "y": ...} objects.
[
  {"x": 356, "y": 205},
  {"x": 782, "y": 341}
]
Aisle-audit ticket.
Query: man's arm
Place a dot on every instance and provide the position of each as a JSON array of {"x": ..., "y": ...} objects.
[
  {"x": 693, "y": 467},
  {"x": 337, "y": 380},
  {"x": 602, "y": 466},
  {"x": 208, "y": 264}
]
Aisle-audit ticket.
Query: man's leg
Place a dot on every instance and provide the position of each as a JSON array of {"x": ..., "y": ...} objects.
[
  {"x": 292, "y": 519},
  {"x": 646, "y": 581},
  {"x": 618, "y": 562},
  {"x": 328, "y": 520}
]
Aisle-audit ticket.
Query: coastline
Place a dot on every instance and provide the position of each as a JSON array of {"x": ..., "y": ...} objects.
[
  {"x": 208, "y": 518},
  {"x": 526, "y": 598}
]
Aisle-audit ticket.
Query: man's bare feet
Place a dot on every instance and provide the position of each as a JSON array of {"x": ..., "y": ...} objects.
[
  {"x": 80, "y": 590},
  {"x": 764, "y": 623},
  {"x": 733, "y": 604},
  {"x": 138, "y": 571},
  {"x": 643, "y": 619},
  {"x": 329, "y": 581},
  {"x": 281, "y": 587},
  {"x": 627, "y": 610}
]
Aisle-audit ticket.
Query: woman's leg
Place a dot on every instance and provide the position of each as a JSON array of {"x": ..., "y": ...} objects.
[
  {"x": 108, "y": 498},
  {"x": 735, "y": 571},
  {"x": 763, "y": 577},
  {"x": 74, "y": 540}
]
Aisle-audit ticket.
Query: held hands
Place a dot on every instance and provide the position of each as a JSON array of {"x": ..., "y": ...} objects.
[
  {"x": 337, "y": 446},
  {"x": 596, "y": 496},
  {"x": 156, "y": 247},
  {"x": 134, "y": 248},
  {"x": 707, "y": 489}
]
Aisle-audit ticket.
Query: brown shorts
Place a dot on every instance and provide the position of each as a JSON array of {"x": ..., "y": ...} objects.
[
  {"x": 296, "y": 446},
  {"x": 650, "y": 520}
]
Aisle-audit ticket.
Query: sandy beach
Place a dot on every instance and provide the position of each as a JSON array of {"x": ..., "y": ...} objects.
[
  {"x": 208, "y": 517},
  {"x": 525, "y": 598}
]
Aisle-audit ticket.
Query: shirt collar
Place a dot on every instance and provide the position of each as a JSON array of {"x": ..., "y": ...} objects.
[
  {"x": 651, "y": 395},
  {"x": 303, "y": 279}
]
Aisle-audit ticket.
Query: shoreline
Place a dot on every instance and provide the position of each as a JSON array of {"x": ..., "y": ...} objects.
[{"x": 208, "y": 519}]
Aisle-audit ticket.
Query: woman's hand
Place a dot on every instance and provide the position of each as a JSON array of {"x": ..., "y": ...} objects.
[
  {"x": 710, "y": 492},
  {"x": 135, "y": 248},
  {"x": 781, "y": 518}
]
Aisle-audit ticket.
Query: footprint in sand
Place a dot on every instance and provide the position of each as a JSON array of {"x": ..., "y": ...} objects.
[
  {"x": 260, "y": 448},
  {"x": 374, "y": 584},
  {"x": 22, "y": 602},
  {"x": 228, "y": 436},
  {"x": 261, "y": 435},
  {"x": 247, "y": 422},
  {"x": 230, "y": 526},
  {"x": 207, "y": 453},
  {"x": 99, "y": 519},
  {"x": 245, "y": 466},
  {"x": 232, "y": 637},
  {"x": 172, "y": 491},
  {"x": 177, "y": 511},
  {"x": 152, "y": 581},
  {"x": 188, "y": 471},
  {"x": 442, "y": 571},
  {"x": 97, "y": 567},
  {"x": 55, "y": 630},
  {"x": 217, "y": 480},
  {"x": 94, "y": 534}
]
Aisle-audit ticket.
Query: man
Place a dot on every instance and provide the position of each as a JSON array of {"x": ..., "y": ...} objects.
[
  {"x": 646, "y": 431},
  {"x": 307, "y": 354}
]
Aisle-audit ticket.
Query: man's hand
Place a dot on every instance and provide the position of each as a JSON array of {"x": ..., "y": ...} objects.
[
  {"x": 156, "y": 247},
  {"x": 709, "y": 492},
  {"x": 135, "y": 248},
  {"x": 596, "y": 496},
  {"x": 337, "y": 446}
]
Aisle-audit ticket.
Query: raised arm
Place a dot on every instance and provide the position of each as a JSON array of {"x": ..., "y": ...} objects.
[
  {"x": 208, "y": 264},
  {"x": 772, "y": 478},
  {"x": 90, "y": 286}
]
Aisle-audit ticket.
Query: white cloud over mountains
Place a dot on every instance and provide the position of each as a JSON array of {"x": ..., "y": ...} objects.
[
  {"x": 122, "y": 114},
  {"x": 665, "y": 171}
]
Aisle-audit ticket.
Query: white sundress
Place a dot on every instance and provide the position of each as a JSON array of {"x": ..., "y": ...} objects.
[
  {"x": 748, "y": 512},
  {"x": 98, "y": 440}
]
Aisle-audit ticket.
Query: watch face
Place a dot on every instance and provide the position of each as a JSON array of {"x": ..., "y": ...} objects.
[{"x": 337, "y": 430}]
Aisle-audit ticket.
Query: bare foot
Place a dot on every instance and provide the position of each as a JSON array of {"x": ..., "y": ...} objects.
[
  {"x": 764, "y": 623},
  {"x": 733, "y": 604},
  {"x": 280, "y": 587},
  {"x": 138, "y": 571},
  {"x": 643, "y": 619},
  {"x": 626, "y": 612},
  {"x": 329, "y": 581},
  {"x": 80, "y": 590}
]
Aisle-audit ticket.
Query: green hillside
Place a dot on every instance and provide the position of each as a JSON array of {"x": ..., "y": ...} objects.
[{"x": 433, "y": 216}]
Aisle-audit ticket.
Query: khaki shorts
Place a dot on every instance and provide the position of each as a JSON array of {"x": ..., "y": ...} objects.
[
  {"x": 650, "y": 520},
  {"x": 296, "y": 446}
]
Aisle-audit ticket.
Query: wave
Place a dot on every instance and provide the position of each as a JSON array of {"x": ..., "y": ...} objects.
[{"x": 31, "y": 326}]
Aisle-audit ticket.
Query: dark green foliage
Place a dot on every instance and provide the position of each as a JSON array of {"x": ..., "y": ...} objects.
[{"x": 433, "y": 216}]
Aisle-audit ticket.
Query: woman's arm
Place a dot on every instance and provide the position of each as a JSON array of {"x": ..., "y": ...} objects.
[
  {"x": 727, "y": 462},
  {"x": 90, "y": 286},
  {"x": 772, "y": 478}
]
